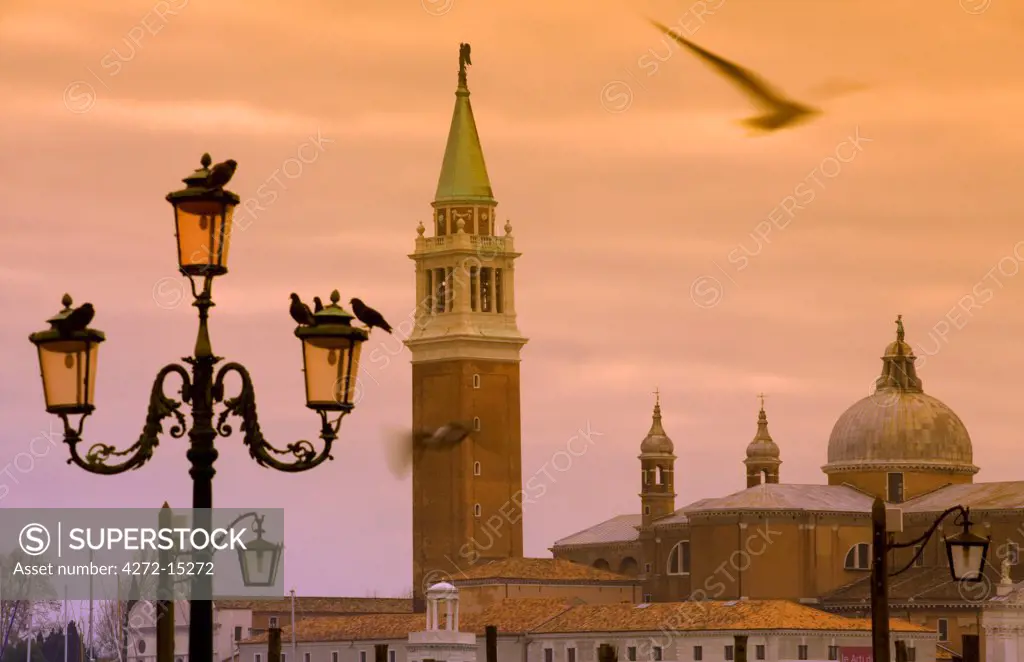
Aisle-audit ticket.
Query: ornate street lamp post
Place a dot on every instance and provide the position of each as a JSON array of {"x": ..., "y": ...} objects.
[
  {"x": 68, "y": 356},
  {"x": 966, "y": 552}
]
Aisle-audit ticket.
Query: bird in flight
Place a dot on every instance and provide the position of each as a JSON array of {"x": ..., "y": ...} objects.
[
  {"x": 405, "y": 445},
  {"x": 779, "y": 112}
]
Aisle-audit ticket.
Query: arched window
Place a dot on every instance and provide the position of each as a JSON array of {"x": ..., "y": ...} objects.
[
  {"x": 659, "y": 477},
  {"x": 629, "y": 567},
  {"x": 859, "y": 557},
  {"x": 476, "y": 510},
  {"x": 647, "y": 510},
  {"x": 679, "y": 559},
  {"x": 476, "y": 423},
  {"x": 601, "y": 564},
  {"x": 476, "y": 468}
]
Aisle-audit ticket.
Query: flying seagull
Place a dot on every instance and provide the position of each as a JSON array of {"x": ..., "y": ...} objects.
[
  {"x": 221, "y": 174},
  {"x": 368, "y": 316},
  {"x": 779, "y": 111},
  {"x": 405, "y": 445},
  {"x": 76, "y": 320},
  {"x": 300, "y": 312}
]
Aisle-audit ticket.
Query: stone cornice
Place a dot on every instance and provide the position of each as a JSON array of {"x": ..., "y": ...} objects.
[
  {"x": 633, "y": 544},
  {"x": 897, "y": 465}
]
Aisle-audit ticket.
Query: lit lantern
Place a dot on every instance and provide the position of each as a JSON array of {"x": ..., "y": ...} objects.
[
  {"x": 67, "y": 363},
  {"x": 202, "y": 223},
  {"x": 330, "y": 357}
]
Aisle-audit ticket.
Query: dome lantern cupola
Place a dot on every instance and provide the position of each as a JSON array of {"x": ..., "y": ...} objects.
[
  {"x": 657, "y": 469},
  {"x": 899, "y": 441}
]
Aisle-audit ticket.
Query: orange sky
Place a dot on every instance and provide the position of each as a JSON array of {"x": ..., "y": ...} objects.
[{"x": 616, "y": 213}]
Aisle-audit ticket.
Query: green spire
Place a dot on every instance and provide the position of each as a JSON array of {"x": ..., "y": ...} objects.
[{"x": 463, "y": 172}]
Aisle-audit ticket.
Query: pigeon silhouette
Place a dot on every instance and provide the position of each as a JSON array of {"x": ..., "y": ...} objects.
[
  {"x": 300, "y": 312},
  {"x": 318, "y": 305},
  {"x": 221, "y": 174},
  {"x": 405, "y": 445},
  {"x": 780, "y": 112},
  {"x": 77, "y": 320},
  {"x": 368, "y": 316}
]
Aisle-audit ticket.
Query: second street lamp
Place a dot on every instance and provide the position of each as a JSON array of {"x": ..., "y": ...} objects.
[
  {"x": 68, "y": 357},
  {"x": 966, "y": 552}
]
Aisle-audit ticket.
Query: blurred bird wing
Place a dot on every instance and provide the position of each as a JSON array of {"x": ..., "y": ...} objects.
[
  {"x": 398, "y": 448},
  {"x": 755, "y": 87}
]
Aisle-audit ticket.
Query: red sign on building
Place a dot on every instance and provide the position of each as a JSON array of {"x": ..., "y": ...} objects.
[{"x": 855, "y": 654}]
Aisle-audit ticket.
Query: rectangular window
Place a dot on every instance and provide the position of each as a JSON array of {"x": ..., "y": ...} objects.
[
  {"x": 442, "y": 227},
  {"x": 698, "y": 653},
  {"x": 273, "y": 621},
  {"x": 730, "y": 653},
  {"x": 440, "y": 288},
  {"x": 429, "y": 275},
  {"x": 362, "y": 656},
  {"x": 449, "y": 289},
  {"x": 392, "y": 655},
  {"x": 895, "y": 488},
  {"x": 549, "y": 655},
  {"x": 483, "y": 224},
  {"x": 334, "y": 656},
  {"x": 257, "y": 658},
  {"x": 647, "y": 567},
  {"x": 499, "y": 291},
  {"x": 648, "y": 598},
  {"x": 759, "y": 651},
  {"x": 657, "y": 653},
  {"x": 486, "y": 279},
  {"x": 943, "y": 629},
  {"x": 306, "y": 657},
  {"x": 863, "y": 556},
  {"x": 833, "y": 653},
  {"x": 631, "y": 653},
  {"x": 801, "y": 652},
  {"x": 238, "y": 633},
  {"x": 570, "y": 654},
  {"x": 911, "y": 654},
  {"x": 474, "y": 288},
  {"x": 284, "y": 657}
]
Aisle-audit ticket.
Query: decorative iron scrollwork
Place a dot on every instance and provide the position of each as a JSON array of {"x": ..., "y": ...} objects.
[
  {"x": 160, "y": 408},
  {"x": 243, "y": 406}
]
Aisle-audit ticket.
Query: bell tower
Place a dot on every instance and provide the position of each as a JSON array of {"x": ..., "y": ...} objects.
[
  {"x": 657, "y": 470},
  {"x": 467, "y": 500}
]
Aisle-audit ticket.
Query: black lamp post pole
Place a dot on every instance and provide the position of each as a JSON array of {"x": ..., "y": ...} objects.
[
  {"x": 879, "y": 584},
  {"x": 202, "y": 453}
]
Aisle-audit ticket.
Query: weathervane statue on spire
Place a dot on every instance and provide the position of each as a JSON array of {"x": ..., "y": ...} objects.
[
  {"x": 463, "y": 61},
  {"x": 899, "y": 328}
]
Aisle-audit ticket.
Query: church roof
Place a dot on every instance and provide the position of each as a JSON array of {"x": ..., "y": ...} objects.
[
  {"x": 778, "y": 496},
  {"x": 463, "y": 171},
  {"x": 919, "y": 586},
  {"x": 899, "y": 426},
  {"x": 1007, "y": 495},
  {"x": 679, "y": 516},
  {"x": 707, "y": 615},
  {"x": 536, "y": 570},
  {"x": 619, "y": 529}
]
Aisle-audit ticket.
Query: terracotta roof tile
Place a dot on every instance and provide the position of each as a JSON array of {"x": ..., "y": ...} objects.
[
  {"x": 695, "y": 616},
  {"x": 511, "y": 616},
  {"x": 539, "y": 570},
  {"x": 322, "y": 605}
]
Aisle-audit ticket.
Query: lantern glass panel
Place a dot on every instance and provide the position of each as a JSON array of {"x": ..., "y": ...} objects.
[
  {"x": 259, "y": 565},
  {"x": 68, "y": 368},
  {"x": 966, "y": 559},
  {"x": 332, "y": 367},
  {"x": 204, "y": 236}
]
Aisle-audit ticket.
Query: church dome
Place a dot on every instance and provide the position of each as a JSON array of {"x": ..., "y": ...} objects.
[
  {"x": 762, "y": 447},
  {"x": 899, "y": 426},
  {"x": 657, "y": 442}
]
